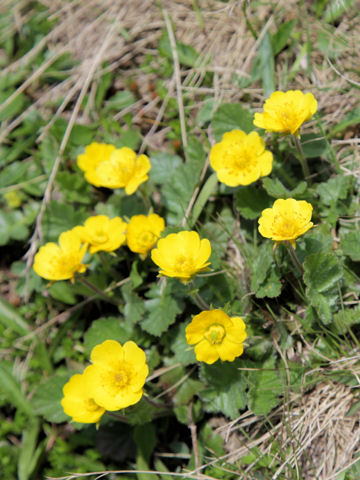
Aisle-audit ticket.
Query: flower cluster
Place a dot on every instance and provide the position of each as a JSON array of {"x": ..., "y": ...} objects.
[
  {"x": 107, "y": 166},
  {"x": 114, "y": 381}
]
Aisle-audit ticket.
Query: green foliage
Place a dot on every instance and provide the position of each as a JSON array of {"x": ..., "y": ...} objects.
[
  {"x": 48, "y": 330},
  {"x": 231, "y": 116}
]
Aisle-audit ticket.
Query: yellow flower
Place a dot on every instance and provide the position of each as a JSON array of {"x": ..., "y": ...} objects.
[
  {"x": 61, "y": 262},
  {"x": 285, "y": 112},
  {"x": 118, "y": 373},
  {"x": 216, "y": 335},
  {"x": 102, "y": 233},
  {"x": 182, "y": 255},
  {"x": 143, "y": 232},
  {"x": 78, "y": 404},
  {"x": 286, "y": 220},
  {"x": 240, "y": 159},
  {"x": 95, "y": 153},
  {"x": 124, "y": 170}
]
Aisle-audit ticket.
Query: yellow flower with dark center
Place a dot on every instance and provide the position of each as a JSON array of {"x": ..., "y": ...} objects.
[
  {"x": 61, "y": 262},
  {"x": 182, "y": 255},
  {"x": 286, "y": 220},
  {"x": 124, "y": 170},
  {"x": 117, "y": 376},
  {"x": 240, "y": 159},
  {"x": 216, "y": 335},
  {"x": 143, "y": 232},
  {"x": 94, "y": 154},
  {"x": 78, "y": 404},
  {"x": 101, "y": 233},
  {"x": 285, "y": 112}
]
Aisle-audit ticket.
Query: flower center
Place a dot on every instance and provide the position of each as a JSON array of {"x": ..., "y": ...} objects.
[
  {"x": 100, "y": 236},
  {"x": 183, "y": 264},
  {"x": 146, "y": 239},
  {"x": 215, "y": 334},
  {"x": 121, "y": 378}
]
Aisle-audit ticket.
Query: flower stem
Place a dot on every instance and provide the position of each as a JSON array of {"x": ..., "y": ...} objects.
[
  {"x": 294, "y": 258},
  {"x": 98, "y": 291},
  {"x": 302, "y": 158}
]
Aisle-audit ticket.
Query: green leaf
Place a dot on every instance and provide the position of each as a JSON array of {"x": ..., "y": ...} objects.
[
  {"x": 281, "y": 36},
  {"x": 276, "y": 189},
  {"x": 265, "y": 386},
  {"x": 186, "y": 53},
  {"x": 110, "y": 328},
  {"x": 322, "y": 272},
  {"x": 145, "y": 439},
  {"x": 134, "y": 306},
  {"x": 350, "y": 245},
  {"x": 10, "y": 388},
  {"x": 351, "y": 118},
  {"x": 251, "y": 201},
  {"x": 345, "y": 319},
  {"x": 313, "y": 146},
  {"x": 162, "y": 308},
  {"x": 163, "y": 166},
  {"x": 202, "y": 198},
  {"x": 15, "y": 107},
  {"x": 335, "y": 9},
  {"x": 205, "y": 112},
  {"x": 226, "y": 388},
  {"x": 184, "y": 354},
  {"x": 64, "y": 292},
  {"x": 179, "y": 188},
  {"x": 12, "y": 226},
  {"x": 231, "y": 116},
  {"x": 46, "y": 400},
  {"x": 59, "y": 218},
  {"x": 103, "y": 85},
  {"x": 267, "y": 65},
  {"x": 29, "y": 454},
  {"x": 271, "y": 287},
  {"x": 119, "y": 101},
  {"x": 10, "y": 318},
  {"x": 333, "y": 190}
]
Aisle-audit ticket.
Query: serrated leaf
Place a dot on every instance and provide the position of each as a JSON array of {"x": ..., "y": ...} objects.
[
  {"x": 271, "y": 287},
  {"x": 226, "y": 388},
  {"x": 322, "y": 272},
  {"x": 46, "y": 400},
  {"x": 350, "y": 245},
  {"x": 134, "y": 306},
  {"x": 184, "y": 354},
  {"x": 163, "y": 166},
  {"x": 252, "y": 201},
  {"x": 110, "y": 328},
  {"x": 231, "y": 116},
  {"x": 12, "y": 226},
  {"x": 265, "y": 386},
  {"x": 162, "y": 308},
  {"x": 260, "y": 264},
  {"x": 59, "y": 217}
]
